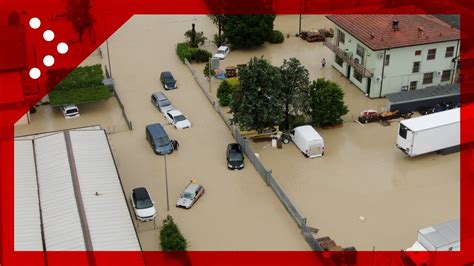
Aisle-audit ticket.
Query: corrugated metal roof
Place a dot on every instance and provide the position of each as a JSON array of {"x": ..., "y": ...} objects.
[
  {"x": 433, "y": 120},
  {"x": 442, "y": 234},
  {"x": 376, "y": 32},
  {"x": 108, "y": 217},
  {"x": 427, "y": 93},
  {"x": 62, "y": 227},
  {"x": 27, "y": 214}
]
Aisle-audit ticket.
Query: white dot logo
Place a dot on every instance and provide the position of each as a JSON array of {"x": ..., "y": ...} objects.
[
  {"x": 62, "y": 48},
  {"x": 35, "y": 23},
  {"x": 48, "y": 35},
  {"x": 48, "y": 60},
  {"x": 35, "y": 73}
]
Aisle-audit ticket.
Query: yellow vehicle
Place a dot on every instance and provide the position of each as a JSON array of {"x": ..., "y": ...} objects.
[{"x": 265, "y": 133}]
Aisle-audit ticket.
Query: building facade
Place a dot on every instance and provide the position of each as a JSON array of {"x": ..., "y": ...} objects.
[{"x": 383, "y": 54}]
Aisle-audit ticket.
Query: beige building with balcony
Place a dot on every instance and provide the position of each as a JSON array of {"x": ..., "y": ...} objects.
[{"x": 383, "y": 54}]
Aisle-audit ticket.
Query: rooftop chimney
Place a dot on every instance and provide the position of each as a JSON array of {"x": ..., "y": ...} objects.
[{"x": 395, "y": 25}]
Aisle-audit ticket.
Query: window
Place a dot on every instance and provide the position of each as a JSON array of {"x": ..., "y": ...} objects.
[
  {"x": 357, "y": 75},
  {"x": 339, "y": 60},
  {"x": 428, "y": 78},
  {"x": 431, "y": 54},
  {"x": 416, "y": 67},
  {"x": 418, "y": 52},
  {"x": 446, "y": 76},
  {"x": 387, "y": 60},
  {"x": 341, "y": 37},
  {"x": 449, "y": 51},
  {"x": 413, "y": 85},
  {"x": 403, "y": 131}
]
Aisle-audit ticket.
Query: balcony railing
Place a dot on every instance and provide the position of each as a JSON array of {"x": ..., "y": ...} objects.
[{"x": 348, "y": 59}]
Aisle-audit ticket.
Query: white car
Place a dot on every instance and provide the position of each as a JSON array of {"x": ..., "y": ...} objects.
[
  {"x": 177, "y": 118},
  {"x": 190, "y": 195},
  {"x": 143, "y": 205},
  {"x": 70, "y": 111},
  {"x": 222, "y": 52}
]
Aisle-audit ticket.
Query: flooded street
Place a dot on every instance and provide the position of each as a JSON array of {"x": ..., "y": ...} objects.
[{"x": 361, "y": 173}]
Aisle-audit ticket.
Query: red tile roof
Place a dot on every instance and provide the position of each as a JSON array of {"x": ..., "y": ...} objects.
[{"x": 375, "y": 31}]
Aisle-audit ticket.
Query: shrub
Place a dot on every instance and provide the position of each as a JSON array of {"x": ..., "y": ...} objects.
[
  {"x": 33, "y": 110},
  {"x": 171, "y": 238},
  {"x": 81, "y": 77},
  {"x": 183, "y": 50},
  {"x": 206, "y": 71},
  {"x": 276, "y": 37},
  {"x": 225, "y": 92},
  {"x": 199, "y": 55}
]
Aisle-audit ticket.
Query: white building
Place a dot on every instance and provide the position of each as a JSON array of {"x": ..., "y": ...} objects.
[{"x": 383, "y": 54}]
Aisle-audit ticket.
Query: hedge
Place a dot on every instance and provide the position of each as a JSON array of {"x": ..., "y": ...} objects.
[
  {"x": 82, "y": 77},
  {"x": 183, "y": 50},
  {"x": 79, "y": 95},
  {"x": 276, "y": 37}
]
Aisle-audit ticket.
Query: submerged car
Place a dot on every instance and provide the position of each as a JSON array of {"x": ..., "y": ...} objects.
[
  {"x": 161, "y": 102},
  {"x": 235, "y": 156},
  {"x": 222, "y": 52},
  {"x": 178, "y": 119},
  {"x": 70, "y": 111},
  {"x": 143, "y": 205},
  {"x": 168, "y": 81},
  {"x": 190, "y": 195}
]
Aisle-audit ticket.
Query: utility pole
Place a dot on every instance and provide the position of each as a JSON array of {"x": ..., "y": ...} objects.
[
  {"x": 166, "y": 179},
  {"x": 301, "y": 10}
]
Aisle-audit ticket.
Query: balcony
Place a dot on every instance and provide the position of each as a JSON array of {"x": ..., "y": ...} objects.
[{"x": 348, "y": 59}]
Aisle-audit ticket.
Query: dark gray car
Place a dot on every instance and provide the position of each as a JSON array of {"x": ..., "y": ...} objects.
[{"x": 159, "y": 139}]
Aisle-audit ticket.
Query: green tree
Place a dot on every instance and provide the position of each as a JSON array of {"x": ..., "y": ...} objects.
[
  {"x": 295, "y": 88},
  {"x": 206, "y": 71},
  {"x": 245, "y": 31},
  {"x": 327, "y": 103},
  {"x": 257, "y": 102},
  {"x": 219, "y": 21},
  {"x": 194, "y": 39},
  {"x": 78, "y": 12},
  {"x": 171, "y": 238}
]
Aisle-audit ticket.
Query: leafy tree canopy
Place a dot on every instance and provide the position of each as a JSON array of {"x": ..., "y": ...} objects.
[
  {"x": 326, "y": 102},
  {"x": 245, "y": 31}
]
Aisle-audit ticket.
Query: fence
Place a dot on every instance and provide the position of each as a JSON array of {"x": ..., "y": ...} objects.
[{"x": 266, "y": 175}]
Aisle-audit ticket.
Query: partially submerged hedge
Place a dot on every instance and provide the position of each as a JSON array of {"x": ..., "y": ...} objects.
[
  {"x": 79, "y": 95},
  {"x": 83, "y": 85},
  {"x": 183, "y": 50},
  {"x": 276, "y": 37}
]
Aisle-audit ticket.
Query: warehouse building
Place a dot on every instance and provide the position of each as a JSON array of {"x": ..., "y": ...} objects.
[{"x": 68, "y": 194}]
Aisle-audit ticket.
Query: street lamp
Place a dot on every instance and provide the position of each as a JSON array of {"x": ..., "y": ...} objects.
[{"x": 166, "y": 180}]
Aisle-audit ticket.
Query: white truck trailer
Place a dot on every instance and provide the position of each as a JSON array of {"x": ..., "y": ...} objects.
[
  {"x": 441, "y": 237},
  {"x": 429, "y": 133}
]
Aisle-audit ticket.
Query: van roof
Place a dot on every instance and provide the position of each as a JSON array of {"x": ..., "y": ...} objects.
[
  {"x": 308, "y": 132},
  {"x": 156, "y": 130},
  {"x": 160, "y": 96}
]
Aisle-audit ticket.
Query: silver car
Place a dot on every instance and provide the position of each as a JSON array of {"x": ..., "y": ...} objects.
[
  {"x": 190, "y": 195},
  {"x": 161, "y": 102}
]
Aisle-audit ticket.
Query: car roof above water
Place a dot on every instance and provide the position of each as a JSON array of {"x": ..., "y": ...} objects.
[
  {"x": 160, "y": 96},
  {"x": 156, "y": 130},
  {"x": 141, "y": 193},
  {"x": 192, "y": 188}
]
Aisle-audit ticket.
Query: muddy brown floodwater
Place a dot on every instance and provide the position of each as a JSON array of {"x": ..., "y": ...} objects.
[{"x": 361, "y": 174}]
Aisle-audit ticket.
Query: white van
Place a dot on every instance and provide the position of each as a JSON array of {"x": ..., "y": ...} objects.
[{"x": 308, "y": 141}]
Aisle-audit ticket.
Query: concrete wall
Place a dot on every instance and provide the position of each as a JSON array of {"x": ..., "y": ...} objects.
[{"x": 399, "y": 71}]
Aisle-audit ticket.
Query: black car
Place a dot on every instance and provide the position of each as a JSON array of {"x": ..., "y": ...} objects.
[
  {"x": 168, "y": 81},
  {"x": 235, "y": 156}
]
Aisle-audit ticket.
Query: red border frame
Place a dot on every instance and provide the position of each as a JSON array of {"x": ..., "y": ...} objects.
[{"x": 108, "y": 18}]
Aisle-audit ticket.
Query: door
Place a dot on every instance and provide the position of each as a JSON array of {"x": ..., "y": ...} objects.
[
  {"x": 348, "y": 71},
  {"x": 369, "y": 82}
]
